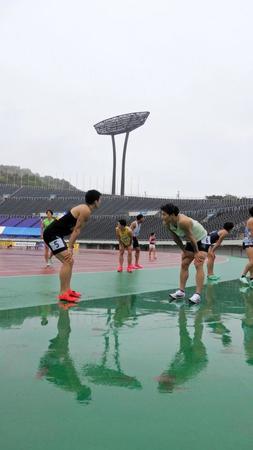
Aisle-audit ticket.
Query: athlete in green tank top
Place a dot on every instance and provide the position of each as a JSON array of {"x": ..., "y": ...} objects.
[
  {"x": 45, "y": 223},
  {"x": 181, "y": 227}
]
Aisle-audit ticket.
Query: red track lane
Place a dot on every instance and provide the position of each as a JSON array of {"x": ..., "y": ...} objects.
[{"x": 15, "y": 262}]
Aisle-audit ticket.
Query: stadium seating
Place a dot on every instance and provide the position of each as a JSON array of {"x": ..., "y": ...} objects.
[{"x": 24, "y": 205}]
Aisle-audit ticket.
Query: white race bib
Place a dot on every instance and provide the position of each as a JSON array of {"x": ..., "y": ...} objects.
[
  {"x": 206, "y": 240},
  {"x": 57, "y": 244}
]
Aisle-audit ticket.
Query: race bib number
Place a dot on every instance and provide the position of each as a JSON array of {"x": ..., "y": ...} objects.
[
  {"x": 57, "y": 244},
  {"x": 206, "y": 240}
]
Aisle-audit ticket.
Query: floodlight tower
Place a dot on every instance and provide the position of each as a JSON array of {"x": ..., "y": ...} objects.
[{"x": 125, "y": 123}]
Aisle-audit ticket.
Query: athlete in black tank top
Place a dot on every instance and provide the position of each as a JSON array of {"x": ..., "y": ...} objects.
[
  {"x": 62, "y": 227},
  {"x": 70, "y": 224}
]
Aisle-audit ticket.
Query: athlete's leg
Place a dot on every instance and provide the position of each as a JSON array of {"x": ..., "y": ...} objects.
[
  {"x": 121, "y": 255},
  {"x": 200, "y": 274},
  {"x": 46, "y": 253},
  {"x": 249, "y": 266},
  {"x": 137, "y": 255},
  {"x": 187, "y": 258},
  {"x": 129, "y": 256},
  {"x": 210, "y": 262},
  {"x": 65, "y": 270}
]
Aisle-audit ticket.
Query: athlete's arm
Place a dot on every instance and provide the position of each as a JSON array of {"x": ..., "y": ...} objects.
[
  {"x": 83, "y": 216},
  {"x": 118, "y": 235},
  {"x": 186, "y": 225},
  {"x": 131, "y": 236},
  {"x": 222, "y": 235},
  {"x": 177, "y": 240},
  {"x": 250, "y": 227},
  {"x": 41, "y": 228},
  {"x": 133, "y": 225}
]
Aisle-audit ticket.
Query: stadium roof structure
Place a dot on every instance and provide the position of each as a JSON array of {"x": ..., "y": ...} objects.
[
  {"x": 121, "y": 124},
  {"x": 125, "y": 123}
]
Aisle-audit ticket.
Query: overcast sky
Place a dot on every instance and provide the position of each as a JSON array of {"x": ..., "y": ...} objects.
[{"x": 65, "y": 65}]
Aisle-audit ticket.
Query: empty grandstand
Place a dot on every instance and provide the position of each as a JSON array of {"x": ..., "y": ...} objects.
[{"x": 22, "y": 207}]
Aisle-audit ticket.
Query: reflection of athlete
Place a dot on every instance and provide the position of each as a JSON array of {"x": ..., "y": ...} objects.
[
  {"x": 44, "y": 224},
  {"x": 248, "y": 246},
  {"x": 57, "y": 366},
  {"x": 216, "y": 238},
  {"x": 70, "y": 224},
  {"x": 125, "y": 236},
  {"x": 190, "y": 359},
  {"x": 196, "y": 248},
  {"x": 136, "y": 228},
  {"x": 247, "y": 326}
]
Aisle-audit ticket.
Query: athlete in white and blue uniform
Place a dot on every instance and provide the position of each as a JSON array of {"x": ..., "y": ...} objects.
[
  {"x": 136, "y": 228},
  {"x": 248, "y": 246},
  {"x": 215, "y": 239}
]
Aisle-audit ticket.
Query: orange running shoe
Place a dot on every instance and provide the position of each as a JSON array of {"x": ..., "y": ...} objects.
[
  {"x": 67, "y": 297},
  {"x": 137, "y": 266},
  {"x": 74, "y": 293},
  {"x": 120, "y": 269},
  {"x": 129, "y": 269}
]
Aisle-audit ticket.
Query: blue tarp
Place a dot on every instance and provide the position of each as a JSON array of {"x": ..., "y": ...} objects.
[{"x": 21, "y": 231}]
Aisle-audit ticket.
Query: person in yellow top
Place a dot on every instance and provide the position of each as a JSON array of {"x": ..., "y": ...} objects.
[
  {"x": 125, "y": 237},
  {"x": 44, "y": 224}
]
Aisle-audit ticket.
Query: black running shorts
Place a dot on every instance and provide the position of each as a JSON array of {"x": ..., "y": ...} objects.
[
  {"x": 202, "y": 247},
  {"x": 55, "y": 243},
  {"x": 135, "y": 242}
]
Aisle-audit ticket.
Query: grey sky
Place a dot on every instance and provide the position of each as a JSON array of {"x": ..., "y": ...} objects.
[{"x": 65, "y": 65}]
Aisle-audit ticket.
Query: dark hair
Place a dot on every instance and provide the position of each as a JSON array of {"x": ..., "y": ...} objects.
[
  {"x": 49, "y": 210},
  {"x": 152, "y": 234},
  {"x": 122, "y": 222},
  {"x": 169, "y": 208},
  {"x": 251, "y": 211},
  {"x": 139, "y": 217},
  {"x": 228, "y": 226},
  {"x": 92, "y": 196}
]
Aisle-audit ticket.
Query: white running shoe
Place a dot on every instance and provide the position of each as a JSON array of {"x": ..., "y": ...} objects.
[
  {"x": 195, "y": 299},
  {"x": 177, "y": 295},
  {"x": 244, "y": 280}
]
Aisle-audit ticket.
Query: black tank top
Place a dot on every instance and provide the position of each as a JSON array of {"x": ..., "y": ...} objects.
[
  {"x": 214, "y": 237},
  {"x": 63, "y": 226}
]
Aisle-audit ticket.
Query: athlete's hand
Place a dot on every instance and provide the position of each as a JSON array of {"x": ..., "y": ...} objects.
[
  {"x": 68, "y": 256},
  {"x": 199, "y": 257}
]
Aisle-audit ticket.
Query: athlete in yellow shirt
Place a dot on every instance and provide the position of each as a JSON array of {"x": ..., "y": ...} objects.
[{"x": 125, "y": 237}]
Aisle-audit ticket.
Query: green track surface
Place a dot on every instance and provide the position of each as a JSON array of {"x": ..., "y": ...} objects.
[
  {"x": 42, "y": 290},
  {"x": 124, "y": 369}
]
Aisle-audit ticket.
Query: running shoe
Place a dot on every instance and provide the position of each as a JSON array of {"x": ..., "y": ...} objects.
[
  {"x": 74, "y": 293},
  {"x": 195, "y": 299},
  {"x": 244, "y": 289},
  {"x": 129, "y": 269},
  {"x": 120, "y": 269},
  {"x": 213, "y": 277},
  {"x": 137, "y": 266},
  {"x": 177, "y": 295},
  {"x": 244, "y": 280},
  {"x": 67, "y": 297}
]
